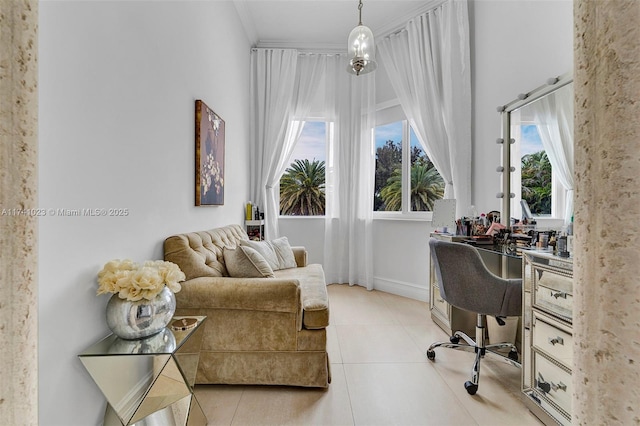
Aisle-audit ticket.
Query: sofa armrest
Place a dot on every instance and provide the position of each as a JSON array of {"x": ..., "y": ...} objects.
[
  {"x": 257, "y": 294},
  {"x": 248, "y": 294},
  {"x": 300, "y": 253}
]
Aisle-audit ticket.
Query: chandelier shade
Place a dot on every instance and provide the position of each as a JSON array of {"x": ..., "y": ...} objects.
[{"x": 362, "y": 49}]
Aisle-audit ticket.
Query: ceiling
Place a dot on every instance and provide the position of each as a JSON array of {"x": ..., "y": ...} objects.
[{"x": 321, "y": 24}]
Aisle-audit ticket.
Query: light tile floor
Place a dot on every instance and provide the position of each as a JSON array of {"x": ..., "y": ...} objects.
[{"x": 380, "y": 376}]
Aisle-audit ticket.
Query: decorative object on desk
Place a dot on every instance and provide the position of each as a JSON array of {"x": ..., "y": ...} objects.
[
  {"x": 495, "y": 228},
  {"x": 481, "y": 239},
  {"x": 143, "y": 300},
  {"x": 493, "y": 216},
  {"x": 444, "y": 215},
  {"x": 184, "y": 324},
  {"x": 209, "y": 156}
]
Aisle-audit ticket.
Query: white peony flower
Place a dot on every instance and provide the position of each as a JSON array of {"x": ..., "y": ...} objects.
[{"x": 134, "y": 282}]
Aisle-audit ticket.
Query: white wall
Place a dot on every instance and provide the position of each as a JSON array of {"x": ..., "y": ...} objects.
[
  {"x": 516, "y": 45},
  {"x": 118, "y": 81}
]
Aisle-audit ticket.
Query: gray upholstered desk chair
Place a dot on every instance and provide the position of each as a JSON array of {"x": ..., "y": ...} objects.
[{"x": 466, "y": 283}]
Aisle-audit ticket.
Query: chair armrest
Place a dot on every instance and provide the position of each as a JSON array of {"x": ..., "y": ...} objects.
[{"x": 300, "y": 253}]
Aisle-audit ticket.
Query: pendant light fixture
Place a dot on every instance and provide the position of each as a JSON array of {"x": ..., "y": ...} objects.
[{"x": 362, "y": 48}]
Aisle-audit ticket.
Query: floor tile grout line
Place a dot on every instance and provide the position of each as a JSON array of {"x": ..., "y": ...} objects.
[
  {"x": 346, "y": 383},
  {"x": 235, "y": 412}
]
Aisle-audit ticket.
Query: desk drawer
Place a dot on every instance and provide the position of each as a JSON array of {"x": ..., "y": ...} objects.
[
  {"x": 439, "y": 304},
  {"x": 556, "y": 300},
  {"x": 552, "y": 382},
  {"x": 553, "y": 340}
]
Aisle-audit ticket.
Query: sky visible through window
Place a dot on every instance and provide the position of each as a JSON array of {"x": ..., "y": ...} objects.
[
  {"x": 312, "y": 144},
  {"x": 388, "y": 132},
  {"x": 530, "y": 140},
  {"x": 313, "y": 139},
  {"x": 393, "y": 132}
]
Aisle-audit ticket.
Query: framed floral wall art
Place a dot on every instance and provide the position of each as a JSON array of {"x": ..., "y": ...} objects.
[{"x": 209, "y": 156}]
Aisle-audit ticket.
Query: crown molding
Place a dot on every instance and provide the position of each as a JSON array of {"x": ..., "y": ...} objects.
[
  {"x": 400, "y": 22},
  {"x": 246, "y": 18}
]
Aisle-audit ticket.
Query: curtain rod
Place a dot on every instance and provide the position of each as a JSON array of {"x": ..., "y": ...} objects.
[
  {"x": 304, "y": 51},
  {"x": 397, "y": 28}
]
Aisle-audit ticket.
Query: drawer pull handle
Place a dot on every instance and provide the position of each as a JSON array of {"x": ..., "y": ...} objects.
[
  {"x": 556, "y": 340},
  {"x": 440, "y": 300},
  {"x": 535, "y": 398},
  {"x": 561, "y": 386},
  {"x": 543, "y": 386},
  {"x": 546, "y": 387},
  {"x": 559, "y": 294}
]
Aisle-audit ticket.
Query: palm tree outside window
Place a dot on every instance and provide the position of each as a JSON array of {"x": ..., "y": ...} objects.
[
  {"x": 535, "y": 172},
  {"x": 302, "y": 186},
  {"x": 406, "y": 180}
]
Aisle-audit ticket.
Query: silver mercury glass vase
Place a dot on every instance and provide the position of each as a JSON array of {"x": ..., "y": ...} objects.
[{"x": 135, "y": 320}]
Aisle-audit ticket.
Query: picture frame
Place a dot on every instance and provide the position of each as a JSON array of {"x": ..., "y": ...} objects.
[{"x": 209, "y": 164}]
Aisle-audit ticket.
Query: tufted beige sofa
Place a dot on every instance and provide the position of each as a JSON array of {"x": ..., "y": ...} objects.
[{"x": 268, "y": 331}]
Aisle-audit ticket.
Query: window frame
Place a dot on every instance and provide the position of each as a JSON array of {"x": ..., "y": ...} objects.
[{"x": 405, "y": 212}]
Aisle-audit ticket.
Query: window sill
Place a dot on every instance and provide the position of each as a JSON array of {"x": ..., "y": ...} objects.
[
  {"x": 418, "y": 217},
  {"x": 300, "y": 217}
]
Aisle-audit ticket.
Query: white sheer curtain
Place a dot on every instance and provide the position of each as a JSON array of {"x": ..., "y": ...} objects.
[
  {"x": 348, "y": 256},
  {"x": 282, "y": 100},
  {"x": 310, "y": 70},
  {"x": 554, "y": 120},
  {"x": 428, "y": 63},
  {"x": 271, "y": 91},
  {"x": 283, "y": 86}
]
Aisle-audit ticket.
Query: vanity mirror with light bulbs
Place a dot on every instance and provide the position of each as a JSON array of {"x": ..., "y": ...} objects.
[{"x": 537, "y": 154}]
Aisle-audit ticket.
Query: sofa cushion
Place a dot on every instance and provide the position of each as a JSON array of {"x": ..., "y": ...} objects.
[
  {"x": 245, "y": 262},
  {"x": 277, "y": 253},
  {"x": 313, "y": 292}
]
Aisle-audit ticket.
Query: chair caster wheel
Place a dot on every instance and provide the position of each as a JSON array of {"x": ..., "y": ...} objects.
[
  {"x": 454, "y": 339},
  {"x": 431, "y": 355},
  {"x": 513, "y": 355},
  {"x": 471, "y": 388}
]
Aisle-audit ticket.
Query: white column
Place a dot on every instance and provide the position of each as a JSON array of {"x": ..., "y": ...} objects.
[
  {"x": 18, "y": 228},
  {"x": 606, "y": 373}
]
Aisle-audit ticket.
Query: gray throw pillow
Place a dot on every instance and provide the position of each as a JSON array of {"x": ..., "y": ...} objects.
[{"x": 245, "y": 262}]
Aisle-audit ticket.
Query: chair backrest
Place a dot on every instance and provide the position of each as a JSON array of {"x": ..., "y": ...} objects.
[{"x": 465, "y": 281}]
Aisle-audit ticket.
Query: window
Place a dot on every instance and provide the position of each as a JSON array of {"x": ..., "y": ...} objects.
[
  {"x": 302, "y": 186},
  {"x": 405, "y": 179}
]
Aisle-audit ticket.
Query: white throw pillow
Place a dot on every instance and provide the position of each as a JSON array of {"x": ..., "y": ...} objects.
[
  {"x": 277, "y": 253},
  {"x": 283, "y": 250},
  {"x": 265, "y": 249},
  {"x": 245, "y": 262}
]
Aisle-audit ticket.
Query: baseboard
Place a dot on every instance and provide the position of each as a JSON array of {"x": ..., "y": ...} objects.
[{"x": 401, "y": 288}]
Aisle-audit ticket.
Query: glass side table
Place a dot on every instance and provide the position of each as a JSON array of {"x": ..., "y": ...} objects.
[{"x": 149, "y": 381}]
